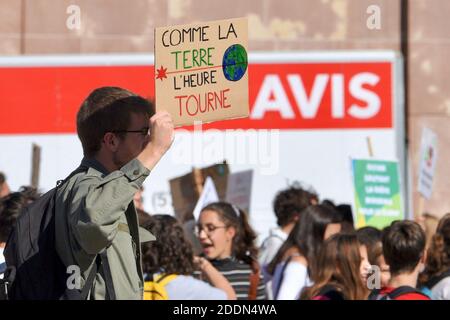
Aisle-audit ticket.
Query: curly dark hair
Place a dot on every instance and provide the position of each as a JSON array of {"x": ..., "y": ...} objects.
[
  {"x": 171, "y": 253},
  {"x": 11, "y": 207},
  {"x": 438, "y": 259},
  {"x": 289, "y": 203},
  {"x": 243, "y": 247}
]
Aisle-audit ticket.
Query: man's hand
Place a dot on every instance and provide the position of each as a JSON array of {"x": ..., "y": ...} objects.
[{"x": 161, "y": 138}]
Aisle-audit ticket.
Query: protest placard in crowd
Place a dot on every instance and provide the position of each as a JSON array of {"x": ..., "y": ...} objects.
[
  {"x": 377, "y": 192},
  {"x": 239, "y": 189},
  {"x": 208, "y": 195},
  {"x": 427, "y": 166},
  {"x": 201, "y": 71},
  {"x": 186, "y": 190}
]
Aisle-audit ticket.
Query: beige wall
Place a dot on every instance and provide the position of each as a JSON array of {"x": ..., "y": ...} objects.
[
  {"x": 430, "y": 92},
  {"x": 39, "y": 27}
]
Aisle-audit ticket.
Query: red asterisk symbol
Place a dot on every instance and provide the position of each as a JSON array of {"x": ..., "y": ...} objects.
[{"x": 161, "y": 73}]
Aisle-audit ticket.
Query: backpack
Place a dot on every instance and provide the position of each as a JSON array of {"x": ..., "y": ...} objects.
[
  {"x": 34, "y": 269},
  {"x": 394, "y": 294},
  {"x": 156, "y": 289}
]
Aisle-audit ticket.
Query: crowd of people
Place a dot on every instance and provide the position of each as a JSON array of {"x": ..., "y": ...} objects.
[{"x": 313, "y": 254}]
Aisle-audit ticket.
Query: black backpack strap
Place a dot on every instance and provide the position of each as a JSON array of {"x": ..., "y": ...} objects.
[
  {"x": 374, "y": 294},
  {"x": 74, "y": 294},
  {"x": 106, "y": 273},
  {"x": 394, "y": 294},
  {"x": 76, "y": 171},
  {"x": 90, "y": 280},
  {"x": 101, "y": 265},
  {"x": 400, "y": 291},
  {"x": 434, "y": 280}
]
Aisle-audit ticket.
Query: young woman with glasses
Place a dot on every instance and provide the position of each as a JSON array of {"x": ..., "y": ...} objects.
[{"x": 228, "y": 243}]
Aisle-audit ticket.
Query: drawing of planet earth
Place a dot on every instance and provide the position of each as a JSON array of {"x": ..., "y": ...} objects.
[{"x": 234, "y": 62}]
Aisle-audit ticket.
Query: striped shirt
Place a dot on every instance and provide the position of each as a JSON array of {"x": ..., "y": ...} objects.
[{"x": 238, "y": 274}]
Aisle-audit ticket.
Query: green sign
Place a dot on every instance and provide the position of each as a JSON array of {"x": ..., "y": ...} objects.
[{"x": 378, "y": 199}]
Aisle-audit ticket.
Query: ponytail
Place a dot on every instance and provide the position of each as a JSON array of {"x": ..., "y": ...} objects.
[{"x": 245, "y": 242}]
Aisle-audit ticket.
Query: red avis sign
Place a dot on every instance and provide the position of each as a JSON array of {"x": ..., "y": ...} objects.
[
  {"x": 282, "y": 96},
  {"x": 318, "y": 96}
]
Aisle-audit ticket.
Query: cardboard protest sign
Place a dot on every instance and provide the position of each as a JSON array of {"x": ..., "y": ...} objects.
[
  {"x": 201, "y": 71},
  {"x": 185, "y": 192},
  {"x": 208, "y": 195},
  {"x": 377, "y": 193},
  {"x": 427, "y": 166},
  {"x": 239, "y": 189}
]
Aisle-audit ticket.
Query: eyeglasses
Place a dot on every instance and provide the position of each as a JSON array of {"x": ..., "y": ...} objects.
[
  {"x": 209, "y": 229},
  {"x": 144, "y": 131}
]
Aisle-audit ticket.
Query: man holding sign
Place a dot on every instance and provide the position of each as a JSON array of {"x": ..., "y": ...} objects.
[
  {"x": 201, "y": 71},
  {"x": 123, "y": 139}
]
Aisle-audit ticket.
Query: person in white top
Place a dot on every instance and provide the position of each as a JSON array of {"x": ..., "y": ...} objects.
[
  {"x": 295, "y": 278},
  {"x": 441, "y": 291},
  {"x": 291, "y": 267},
  {"x": 287, "y": 206},
  {"x": 436, "y": 276}
]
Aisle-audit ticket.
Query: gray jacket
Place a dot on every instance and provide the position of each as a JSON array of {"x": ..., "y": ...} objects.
[{"x": 95, "y": 212}]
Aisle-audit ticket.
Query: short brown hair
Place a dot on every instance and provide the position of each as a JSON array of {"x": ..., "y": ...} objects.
[
  {"x": 107, "y": 109},
  {"x": 403, "y": 246},
  {"x": 438, "y": 258},
  {"x": 289, "y": 203}
]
